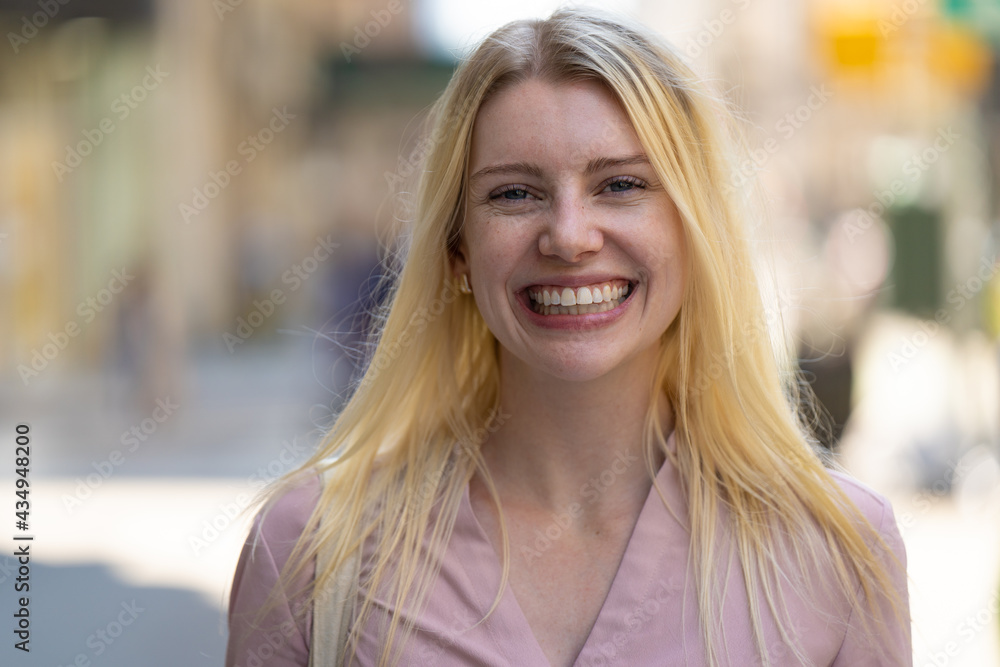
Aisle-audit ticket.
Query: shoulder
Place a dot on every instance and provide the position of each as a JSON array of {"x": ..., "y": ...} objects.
[
  {"x": 871, "y": 503},
  {"x": 282, "y": 630},
  {"x": 894, "y": 646},
  {"x": 284, "y": 517},
  {"x": 279, "y": 525},
  {"x": 873, "y": 506}
]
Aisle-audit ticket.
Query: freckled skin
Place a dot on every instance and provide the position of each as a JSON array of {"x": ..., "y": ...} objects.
[
  {"x": 567, "y": 204},
  {"x": 561, "y": 220}
]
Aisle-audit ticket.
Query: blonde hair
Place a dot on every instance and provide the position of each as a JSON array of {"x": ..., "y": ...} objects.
[{"x": 407, "y": 441}]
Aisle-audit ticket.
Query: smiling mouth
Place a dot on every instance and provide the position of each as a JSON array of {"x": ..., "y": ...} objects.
[{"x": 597, "y": 298}]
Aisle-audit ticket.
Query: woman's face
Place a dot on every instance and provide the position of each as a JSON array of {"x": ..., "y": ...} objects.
[{"x": 564, "y": 208}]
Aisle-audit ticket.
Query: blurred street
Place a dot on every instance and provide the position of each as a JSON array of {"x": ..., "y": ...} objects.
[
  {"x": 195, "y": 203},
  {"x": 163, "y": 528},
  {"x": 162, "y": 532}
]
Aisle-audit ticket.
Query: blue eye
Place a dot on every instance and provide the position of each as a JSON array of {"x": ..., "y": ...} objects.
[
  {"x": 624, "y": 184},
  {"x": 510, "y": 193}
]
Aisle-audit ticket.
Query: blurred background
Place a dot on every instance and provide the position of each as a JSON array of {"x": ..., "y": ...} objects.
[{"x": 191, "y": 193}]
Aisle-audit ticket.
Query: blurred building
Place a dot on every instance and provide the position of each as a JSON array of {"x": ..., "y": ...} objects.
[
  {"x": 204, "y": 150},
  {"x": 201, "y": 149},
  {"x": 190, "y": 188}
]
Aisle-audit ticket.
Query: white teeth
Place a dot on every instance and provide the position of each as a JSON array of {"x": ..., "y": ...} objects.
[
  {"x": 580, "y": 301},
  {"x": 581, "y": 295},
  {"x": 577, "y": 309}
]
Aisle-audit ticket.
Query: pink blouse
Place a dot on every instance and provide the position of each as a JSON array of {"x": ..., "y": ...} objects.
[{"x": 650, "y": 616}]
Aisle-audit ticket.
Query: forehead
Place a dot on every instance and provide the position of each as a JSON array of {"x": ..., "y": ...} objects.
[{"x": 553, "y": 124}]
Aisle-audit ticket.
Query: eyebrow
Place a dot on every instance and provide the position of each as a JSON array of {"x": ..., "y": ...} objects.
[
  {"x": 594, "y": 166},
  {"x": 601, "y": 163}
]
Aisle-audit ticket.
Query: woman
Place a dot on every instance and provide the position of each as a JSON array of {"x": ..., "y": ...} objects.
[{"x": 575, "y": 442}]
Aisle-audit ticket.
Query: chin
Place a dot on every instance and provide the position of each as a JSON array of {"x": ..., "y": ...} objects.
[{"x": 577, "y": 370}]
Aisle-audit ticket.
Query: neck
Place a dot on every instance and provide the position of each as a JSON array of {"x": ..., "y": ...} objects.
[{"x": 574, "y": 442}]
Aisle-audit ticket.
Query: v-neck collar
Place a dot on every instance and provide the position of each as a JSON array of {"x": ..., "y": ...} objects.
[{"x": 655, "y": 533}]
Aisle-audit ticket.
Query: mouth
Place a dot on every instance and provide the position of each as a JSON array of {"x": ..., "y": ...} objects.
[{"x": 584, "y": 300}]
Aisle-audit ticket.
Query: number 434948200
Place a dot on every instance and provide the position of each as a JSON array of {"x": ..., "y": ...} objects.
[{"x": 21, "y": 482}]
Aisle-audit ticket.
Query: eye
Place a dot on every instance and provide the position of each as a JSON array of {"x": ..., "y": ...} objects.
[
  {"x": 510, "y": 193},
  {"x": 624, "y": 184}
]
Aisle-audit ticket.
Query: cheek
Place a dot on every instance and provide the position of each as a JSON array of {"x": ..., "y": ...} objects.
[
  {"x": 494, "y": 253},
  {"x": 660, "y": 247},
  {"x": 673, "y": 251}
]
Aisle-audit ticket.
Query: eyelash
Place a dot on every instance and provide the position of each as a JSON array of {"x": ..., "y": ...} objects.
[{"x": 630, "y": 180}]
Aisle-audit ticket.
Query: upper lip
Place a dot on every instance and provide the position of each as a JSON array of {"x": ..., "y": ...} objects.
[{"x": 575, "y": 281}]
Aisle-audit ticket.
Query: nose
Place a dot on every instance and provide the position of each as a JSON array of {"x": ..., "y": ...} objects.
[{"x": 570, "y": 232}]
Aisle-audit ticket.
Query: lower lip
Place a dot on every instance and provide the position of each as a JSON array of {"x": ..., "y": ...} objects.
[{"x": 575, "y": 322}]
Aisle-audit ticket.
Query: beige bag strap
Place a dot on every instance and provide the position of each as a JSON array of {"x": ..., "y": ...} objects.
[{"x": 332, "y": 611}]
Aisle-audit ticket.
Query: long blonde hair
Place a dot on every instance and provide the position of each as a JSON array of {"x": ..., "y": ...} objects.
[{"x": 407, "y": 441}]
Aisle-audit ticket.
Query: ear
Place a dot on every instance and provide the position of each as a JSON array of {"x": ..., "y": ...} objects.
[{"x": 460, "y": 258}]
